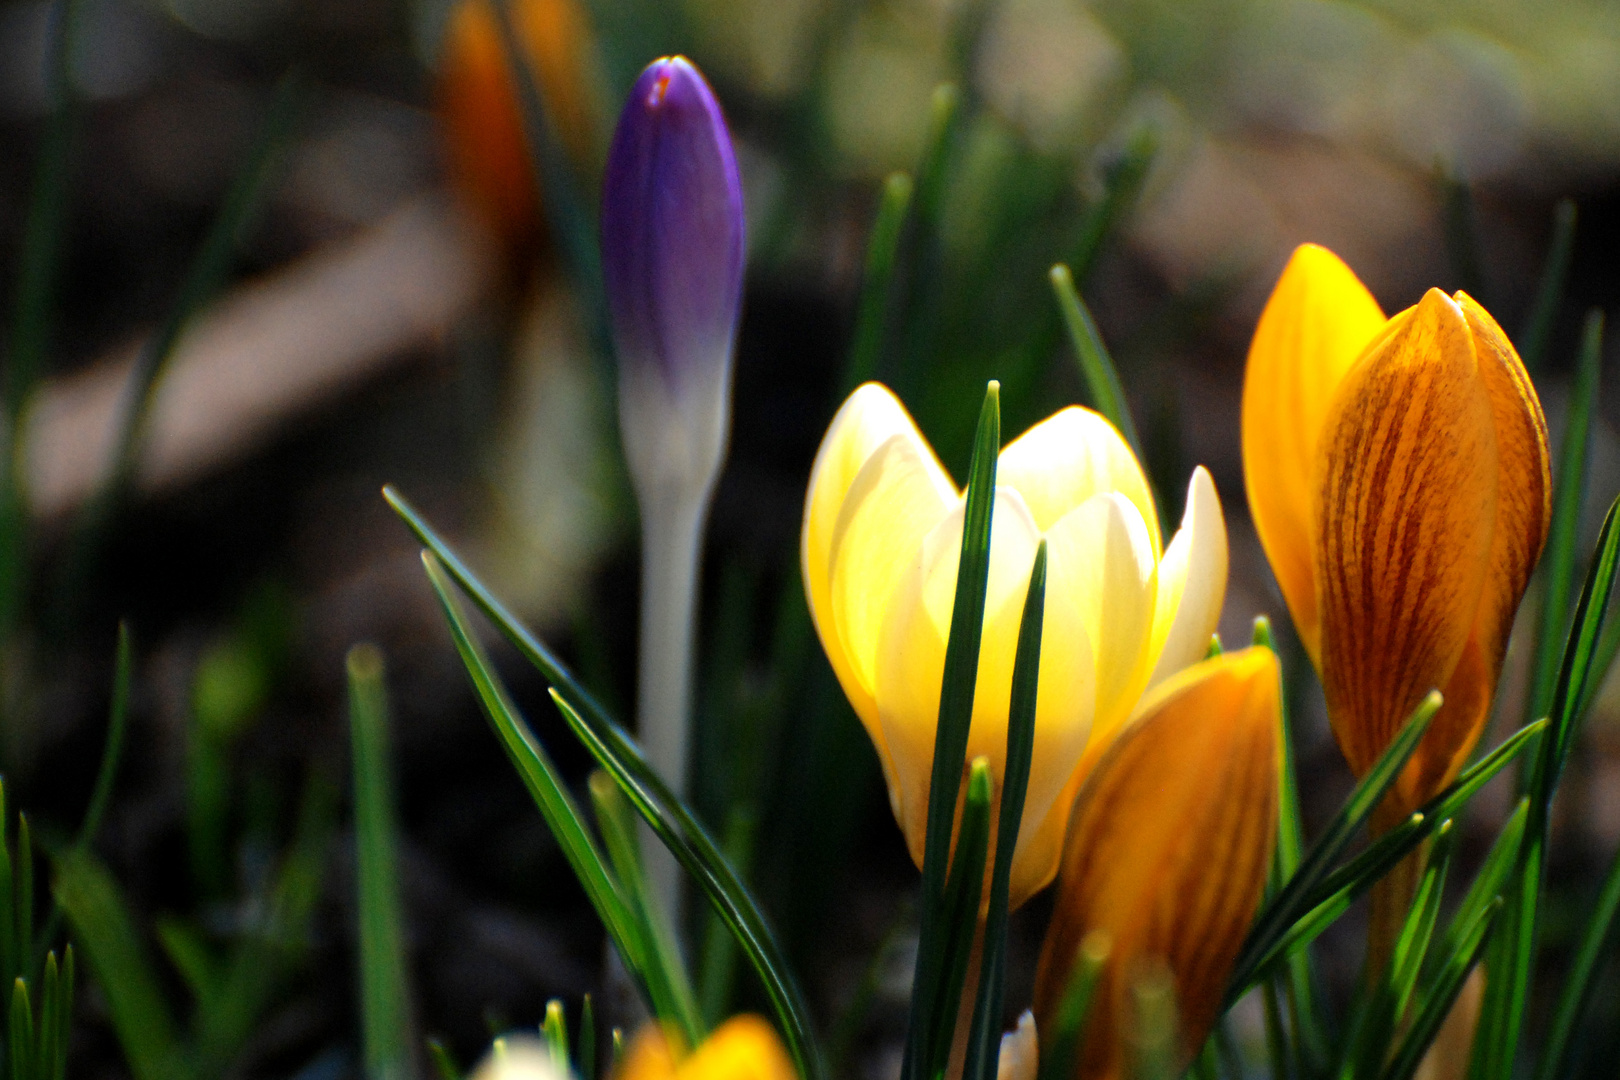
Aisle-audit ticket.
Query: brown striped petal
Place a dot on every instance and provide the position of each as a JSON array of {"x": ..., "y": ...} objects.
[
  {"x": 1523, "y": 514},
  {"x": 1168, "y": 848},
  {"x": 1406, "y": 504}
]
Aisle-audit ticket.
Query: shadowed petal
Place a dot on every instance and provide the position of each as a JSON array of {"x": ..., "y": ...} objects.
[{"x": 1318, "y": 320}]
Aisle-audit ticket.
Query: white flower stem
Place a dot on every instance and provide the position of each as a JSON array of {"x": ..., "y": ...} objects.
[{"x": 671, "y": 545}]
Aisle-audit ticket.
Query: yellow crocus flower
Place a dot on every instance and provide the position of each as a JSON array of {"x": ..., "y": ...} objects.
[
  {"x": 743, "y": 1048},
  {"x": 880, "y": 547},
  {"x": 1167, "y": 853},
  {"x": 1398, "y": 475}
]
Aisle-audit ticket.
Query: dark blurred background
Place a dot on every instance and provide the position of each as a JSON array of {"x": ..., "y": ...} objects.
[{"x": 398, "y": 311}]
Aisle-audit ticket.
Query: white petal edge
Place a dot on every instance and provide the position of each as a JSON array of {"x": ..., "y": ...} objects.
[{"x": 1192, "y": 581}]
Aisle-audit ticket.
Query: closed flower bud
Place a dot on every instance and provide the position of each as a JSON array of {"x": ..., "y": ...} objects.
[
  {"x": 1398, "y": 474},
  {"x": 881, "y": 543},
  {"x": 1167, "y": 853},
  {"x": 487, "y": 150},
  {"x": 672, "y": 259},
  {"x": 743, "y": 1048},
  {"x": 521, "y": 1058}
]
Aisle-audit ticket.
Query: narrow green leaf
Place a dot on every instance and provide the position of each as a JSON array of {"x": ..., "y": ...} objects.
[
  {"x": 23, "y": 898},
  {"x": 20, "y": 1032},
  {"x": 1461, "y": 222},
  {"x": 924, "y": 293},
  {"x": 1580, "y": 653},
  {"x": 555, "y": 1029},
  {"x": 662, "y": 969},
  {"x": 1437, "y": 1004},
  {"x": 1491, "y": 879},
  {"x": 183, "y": 944},
  {"x": 64, "y": 1012},
  {"x": 984, "y": 1038},
  {"x": 545, "y": 784},
  {"x": 46, "y": 1050},
  {"x": 959, "y": 918},
  {"x": 616, "y": 752},
  {"x": 587, "y": 1040},
  {"x": 444, "y": 1064},
  {"x": 1096, "y": 366},
  {"x": 1060, "y": 1048},
  {"x": 1577, "y": 989},
  {"x": 1293, "y": 900},
  {"x": 955, "y": 716},
  {"x": 103, "y": 928},
  {"x": 1559, "y": 561},
  {"x": 1550, "y": 292},
  {"x": 385, "y": 1011},
  {"x": 1215, "y": 648},
  {"x": 872, "y": 313},
  {"x": 112, "y": 750}
]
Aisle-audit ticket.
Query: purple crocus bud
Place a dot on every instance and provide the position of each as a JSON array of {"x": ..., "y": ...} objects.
[{"x": 672, "y": 257}]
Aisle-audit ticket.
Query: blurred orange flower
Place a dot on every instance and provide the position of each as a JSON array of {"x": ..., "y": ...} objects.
[{"x": 743, "y": 1048}]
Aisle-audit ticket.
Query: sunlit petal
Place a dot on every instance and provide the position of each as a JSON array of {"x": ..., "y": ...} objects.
[
  {"x": 1192, "y": 582},
  {"x": 1407, "y": 501},
  {"x": 1318, "y": 320},
  {"x": 1069, "y": 457}
]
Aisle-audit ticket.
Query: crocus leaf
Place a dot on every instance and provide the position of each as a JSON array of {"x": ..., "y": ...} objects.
[
  {"x": 1097, "y": 367},
  {"x": 1437, "y": 1004},
  {"x": 674, "y": 824},
  {"x": 959, "y": 917},
  {"x": 872, "y": 313},
  {"x": 1577, "y": 990},
  {"x": 1550, "y": 291},
  {"x": 1061, "y": 1047}
]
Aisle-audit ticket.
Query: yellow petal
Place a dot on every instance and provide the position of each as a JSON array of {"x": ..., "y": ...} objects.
[
  {"x": 1192, "y": 582},
  {"x": 1523, "y": 513},
  {"x": 743, "y": 1048},
  {"x": 651, "y": 1055},
  {"x": 912, "y": 660},
  {"x": 1406, "y": 504},
  {"x": 1099, "y": 554},
  {"x": 1318, "y": 320},
  {"x": 896, "y": 497},
  {"x": 1069, "y": 457},
  {"x": 1168, "y": 849}
]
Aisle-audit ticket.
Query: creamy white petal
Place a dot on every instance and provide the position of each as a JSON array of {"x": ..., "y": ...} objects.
[
  {"x": 1069, "y": 457},
  {"x": 1192, "y": 581}
]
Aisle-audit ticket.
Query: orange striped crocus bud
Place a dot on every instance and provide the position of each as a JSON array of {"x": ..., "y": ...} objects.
[
  {"x": 1167, "y": 853},
  {"x": 486, "y": 150},
  {"x": 1398, "y": 474}
]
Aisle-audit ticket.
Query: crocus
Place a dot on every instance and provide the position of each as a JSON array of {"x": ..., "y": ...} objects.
[
  {"x": 1398, "y": 475},
  {"x": 881, "y": 541},
  {"x": 672, "y": 259},
  {"x": 1167, "y": 853},
  {"x": 487, "y": 151},
  {"x": 743, "y": 1048}
]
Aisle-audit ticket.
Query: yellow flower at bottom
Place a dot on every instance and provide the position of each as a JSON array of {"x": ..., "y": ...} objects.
[
  {"x": 743, "y": 1048},
  {"x": 881, "y": 542},
  {"x": 1398, "y": 475},
  {"x": 1167, "y": 852}
]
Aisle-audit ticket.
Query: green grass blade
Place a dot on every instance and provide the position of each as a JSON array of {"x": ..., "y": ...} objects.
[
  {"x": 1580, "y": 654},
  {"x": 23, "y": 897},
  {"x": 385, "y": 1011},
  {"x": 1538, "y": 327},
  {"x": 665, "y": 974},
  {"x": 1060, "y": 1048},
  {"x": 1300, "y": 978},
  {"x": 112, "y": 750},
  {"x": 20, "y": 1032},
  {"x": 103, "y": 927},
  {"x": 872, "y": 312},
  {"x": 924, "y": 292},
  {"x": 558, "y": 192},
  {"x": 1577, "y": 990},
  {"x": 586, "y": 1058},
  {"x": 955, "y": 716},
  {"x": 444, "y": 1064},
  {"x": 545, "y": 784},
  {"x": 1096, "y": 366},
  {"x": 959, "y": 919},
  {"x": 616, "y": 752},
  {"x": 45, "y": 1047},
  {"x": 555, "y": 1029},
  {"x": 1489, "y": 881},
  {"x": 1292, "y": 900},
  {"x": 984, "y": 1039},
  {"x": 1568, "y": 492},
  {"x": 1461, "y": 227},
  {"x": 64, "y": 1012},
  {"x": 1437, "y": 1004}
]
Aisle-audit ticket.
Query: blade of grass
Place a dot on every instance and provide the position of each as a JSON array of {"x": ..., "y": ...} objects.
[
  {"x": 616, "y": 752},
  {"x": 104, "y": 929},
  {"x": 1578, "y": 986},
  {"x": 385, "y": 1011},
  {"x": 1122, "y": 186},
  {"x": 1292, "y": 900},
  {"x": 924, "y": 293},
  {"x": 984, "y": 1038},
  {"x": 1437, "y": 1004},
  {"x": 959, "y": 918},
  {"x": 586, "y": 1058},
  {"x": 1462, "y": 233},
  {"x": 1538, "y": 326},
  {"x": 1559, "y": 576},
  {"x": 1061, "y": 1048},
  {"x": 1096, "y": 366},
  {"x": 872, "y": 313},
  {"x": 667, "y": 983},
  {"x": 112, "y": 750},
  {"x": 955, "y": 716}
]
